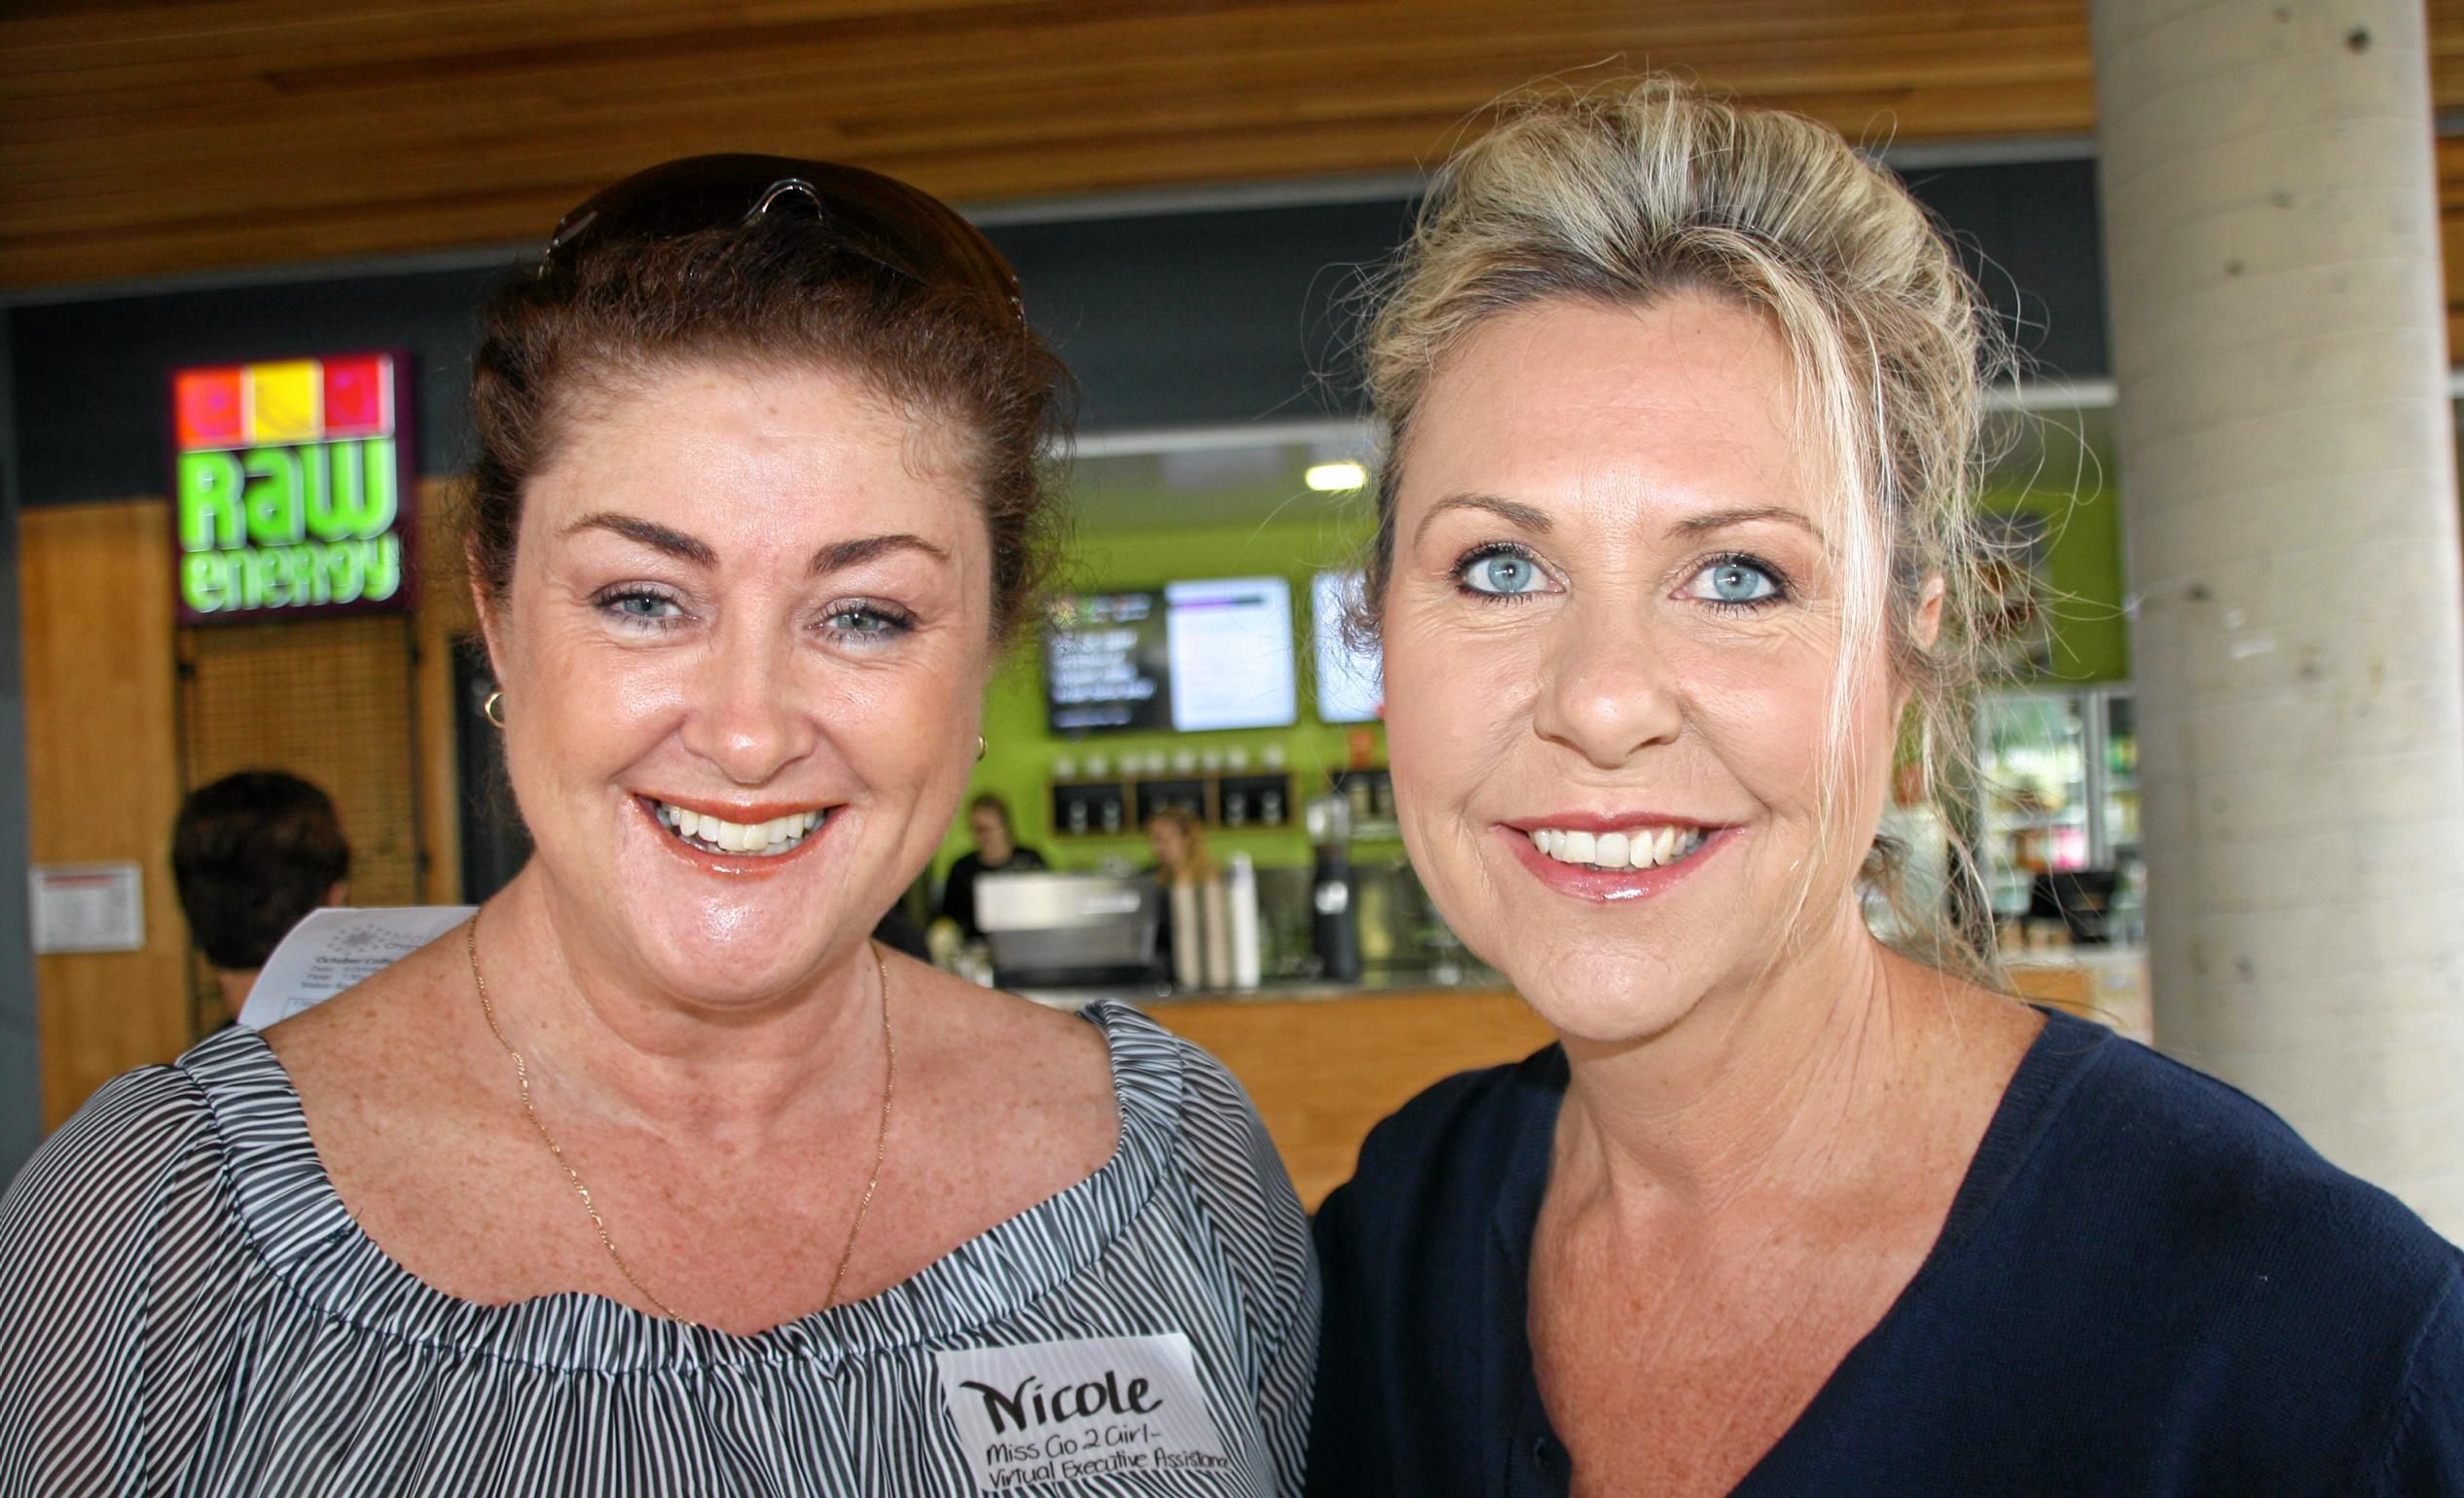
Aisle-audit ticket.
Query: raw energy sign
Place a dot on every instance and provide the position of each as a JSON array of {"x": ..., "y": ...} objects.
[{"x": 291, "y": 483}]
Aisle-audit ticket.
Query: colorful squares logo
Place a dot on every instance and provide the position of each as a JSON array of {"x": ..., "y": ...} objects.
[
  {"x": 286, "y": 402},
  {"x": 206, "y": 405},
  {"x": 283, "y": 401},
  {"x": 359, "y": 396}
]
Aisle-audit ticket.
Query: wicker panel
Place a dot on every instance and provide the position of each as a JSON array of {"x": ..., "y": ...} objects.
[{"x": 330, "y": 700}]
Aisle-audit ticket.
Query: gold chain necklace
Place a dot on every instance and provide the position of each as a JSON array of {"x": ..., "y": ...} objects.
[{"x": 599, "y": 1224}]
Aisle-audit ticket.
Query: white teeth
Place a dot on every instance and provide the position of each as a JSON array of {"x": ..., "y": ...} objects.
[
  {"x": 712, "y": 834},
  {"x": 1632, "y": 848}
]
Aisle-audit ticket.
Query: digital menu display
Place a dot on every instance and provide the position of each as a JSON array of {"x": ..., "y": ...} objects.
[
  {"x": 1350, "y": 683},
  {"x": 1198, "y": 655},
  {"x": 1107, "y": 664},
  {"x": 1231, "y": 648}
]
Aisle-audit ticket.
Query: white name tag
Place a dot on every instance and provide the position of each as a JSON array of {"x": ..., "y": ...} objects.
[{"x": 1060, "y": 1411}]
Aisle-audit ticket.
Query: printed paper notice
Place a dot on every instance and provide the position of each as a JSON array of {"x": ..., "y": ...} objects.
[
  {"x": 338, "y": 946},
  {"x": 88, "y": 907},
  {"x": 1056, "y": 1412}
]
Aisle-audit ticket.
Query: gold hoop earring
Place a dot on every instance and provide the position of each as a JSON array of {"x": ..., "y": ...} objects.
[
  {"x": 494, "y": 708},
  {"x": 980, "y": 746}
]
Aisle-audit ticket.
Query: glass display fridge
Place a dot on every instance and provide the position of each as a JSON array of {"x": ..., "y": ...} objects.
[{"x": 2060, "y": 794}]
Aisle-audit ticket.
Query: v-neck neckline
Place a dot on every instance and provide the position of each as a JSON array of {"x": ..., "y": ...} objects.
[{"x": 1536, "y": 1461}]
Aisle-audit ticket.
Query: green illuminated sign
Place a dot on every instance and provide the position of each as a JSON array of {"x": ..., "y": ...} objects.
[{"x": 289, "y": 488}]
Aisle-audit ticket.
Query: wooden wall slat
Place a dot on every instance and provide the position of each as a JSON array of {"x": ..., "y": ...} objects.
[
  {"x": 103, "y": 778},
  {"x": 2452, "y": 238},
  {"x": 445, "y": 618}
]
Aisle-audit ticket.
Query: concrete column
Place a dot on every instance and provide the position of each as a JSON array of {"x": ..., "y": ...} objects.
[{"x": 2287, "y": 467}]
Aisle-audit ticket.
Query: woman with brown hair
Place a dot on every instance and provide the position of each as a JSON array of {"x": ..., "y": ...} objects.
[
  {"x": 1675, "y": 547},
  {"x": 659, "y": 1177}
]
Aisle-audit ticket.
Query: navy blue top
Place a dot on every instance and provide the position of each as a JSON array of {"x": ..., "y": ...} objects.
[{"x": 2146, "y": 1285}]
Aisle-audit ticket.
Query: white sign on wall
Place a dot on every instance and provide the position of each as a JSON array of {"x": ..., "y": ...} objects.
[{"x": 88, "y": 907}]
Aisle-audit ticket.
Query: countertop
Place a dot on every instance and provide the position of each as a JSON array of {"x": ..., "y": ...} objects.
[{"x": 1469, "y": 978}]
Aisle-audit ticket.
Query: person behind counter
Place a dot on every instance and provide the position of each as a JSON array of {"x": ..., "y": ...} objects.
[
  {"x": 996, "y": 852},
  {"x": 658, "y": 1176},
  {"x": 1675, "y": 522},
  {"x": 1180, "y": 846},
  {"x": 251, "y": 855},
  {"x": 1185, "y": 869}
]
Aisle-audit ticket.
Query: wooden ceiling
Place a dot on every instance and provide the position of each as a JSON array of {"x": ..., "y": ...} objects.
[{"x": 204, "y": 135}]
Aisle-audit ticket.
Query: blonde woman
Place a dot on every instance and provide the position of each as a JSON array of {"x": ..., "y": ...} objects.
[
  {"x": 1671, "y": 544},
  {"x": 1180, "y": 846}
]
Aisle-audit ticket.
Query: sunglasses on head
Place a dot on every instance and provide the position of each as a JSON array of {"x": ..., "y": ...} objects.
[{"x": 879, "y": 218}]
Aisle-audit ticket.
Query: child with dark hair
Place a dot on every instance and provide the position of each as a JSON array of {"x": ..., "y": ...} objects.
[{"x": 251, "y": 855}]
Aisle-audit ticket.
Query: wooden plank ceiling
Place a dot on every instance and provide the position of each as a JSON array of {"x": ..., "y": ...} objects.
[{"x": 202, "y": 136}]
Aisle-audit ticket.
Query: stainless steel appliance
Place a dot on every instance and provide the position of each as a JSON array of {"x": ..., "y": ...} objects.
[{"x": 1058, "y": 931}]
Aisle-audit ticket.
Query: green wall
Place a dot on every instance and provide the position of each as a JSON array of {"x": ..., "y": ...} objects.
[{"x": 2091, "y": 637}]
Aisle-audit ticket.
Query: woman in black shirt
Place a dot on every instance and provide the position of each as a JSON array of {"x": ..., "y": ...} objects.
[
  {"x": 996, "y": 852},
  {"x": 1675, "y": 552}
]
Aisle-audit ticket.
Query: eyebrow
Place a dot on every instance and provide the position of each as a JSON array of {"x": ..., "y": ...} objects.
[
  {"x": 832, "y": 558},
  {"x": 1535, "y": 520},
  {"x": 1721, "y": 520},
  {"x": 1529, "y": 516},
  {"x": 846, "y": 554},
  {"x": 650, "y": 534}
]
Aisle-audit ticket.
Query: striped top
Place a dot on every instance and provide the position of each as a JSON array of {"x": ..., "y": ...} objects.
[{"x": 187, "y": 1307}]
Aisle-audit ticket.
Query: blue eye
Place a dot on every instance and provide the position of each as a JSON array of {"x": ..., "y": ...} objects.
[
  {"x": 1735, "y": 582},
  {"x": 638, "y": 607},
  {"x": 866, "y": 622},
  {"x": 1502, "y": 572}
]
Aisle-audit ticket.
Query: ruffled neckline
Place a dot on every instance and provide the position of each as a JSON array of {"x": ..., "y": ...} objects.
[{"x": 297, "y": 1225}]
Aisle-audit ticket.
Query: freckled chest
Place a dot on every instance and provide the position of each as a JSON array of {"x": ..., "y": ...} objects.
[{"x": 1673, "y": 1372}]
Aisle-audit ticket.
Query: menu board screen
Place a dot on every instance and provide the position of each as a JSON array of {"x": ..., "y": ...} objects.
[
  {"x": 1231, "y": 640},
  {"x": 1107, "y": 664},
  {"x": 1351, "y": 682}
]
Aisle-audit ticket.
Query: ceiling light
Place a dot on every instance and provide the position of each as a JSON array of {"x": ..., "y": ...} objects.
[{"x": 1335, "y": 478}]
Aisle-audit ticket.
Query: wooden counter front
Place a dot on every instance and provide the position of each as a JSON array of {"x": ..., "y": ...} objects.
[{"x": 1323, "y": 1071}]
